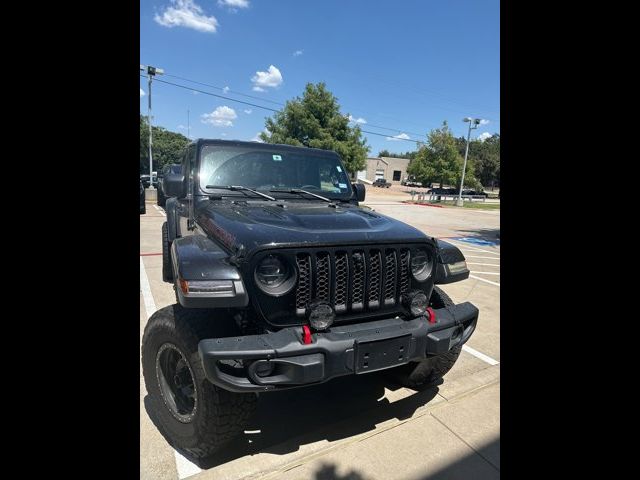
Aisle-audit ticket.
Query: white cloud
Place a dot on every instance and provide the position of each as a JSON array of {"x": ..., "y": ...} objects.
[
  {"x": 271, "y": 78},
  {"x": 484, "y": 122},
  {"x": 142, "y": 93},
  {"x": 357, "y": 120},
  {"x": 483, "y": 136},
  {"x": 233, "y": 4},
  {"x": 226, "y": 89},
  {"x": 181, "y": 127},
  {"x": 297, "y": 53},
  {"x": 220, "y": 117},
  {"x": 186, "y": 13},
  {"x": 223, "y": 134},
  {"x": 248, "y": 111},
  {"x": 401, "y": 136},
  {"x": 256, "y": 137},
  {"x": 195, "y": 92}
]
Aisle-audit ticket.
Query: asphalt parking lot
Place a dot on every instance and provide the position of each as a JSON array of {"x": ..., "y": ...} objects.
[{"x": 362, "y": 427}]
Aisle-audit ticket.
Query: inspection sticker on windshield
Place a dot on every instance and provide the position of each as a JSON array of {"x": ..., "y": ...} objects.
[
  {"x": 339, "y": 168},
  {"x": 277, "y": 158},
  {"x": 342, "y": 185}
]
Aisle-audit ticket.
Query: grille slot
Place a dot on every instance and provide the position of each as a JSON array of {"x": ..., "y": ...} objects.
[
  {"x": 354, "y": 280},
  {"x": 341, "y": 283},
  {"x": 323, "y": 277},
  {"x": 390, "y": 278},
  {"x": 303, "y": 290},
  {"x": 404, "y": 271}
]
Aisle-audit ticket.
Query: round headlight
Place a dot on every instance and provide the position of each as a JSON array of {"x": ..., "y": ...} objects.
[
  {"x": 421, "y": 264},
  {"x": 274, "y": 276}
]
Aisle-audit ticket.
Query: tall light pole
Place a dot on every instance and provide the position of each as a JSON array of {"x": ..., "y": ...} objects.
[
  {"x": 151, "y": 72},
  {"x": 473, "y": 124}
]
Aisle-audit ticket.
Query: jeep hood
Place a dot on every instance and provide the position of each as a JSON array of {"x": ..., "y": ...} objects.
[{"x": 245, "y": 227}]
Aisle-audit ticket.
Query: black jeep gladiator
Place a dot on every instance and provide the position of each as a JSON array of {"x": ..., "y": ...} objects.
[{"x": 283, "y": 281}]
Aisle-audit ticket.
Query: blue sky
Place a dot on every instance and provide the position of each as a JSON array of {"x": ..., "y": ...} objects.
[{"x": 406, "y": 65}]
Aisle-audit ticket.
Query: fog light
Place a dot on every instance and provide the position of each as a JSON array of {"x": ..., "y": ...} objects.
[
  {"x": 416, "y": 302},
  {"x": 264, "y": 368},
  {"x": 321, "y": 316}
]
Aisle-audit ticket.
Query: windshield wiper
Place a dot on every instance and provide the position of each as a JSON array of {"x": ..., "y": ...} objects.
[
  {"x": 240, "y": 188},
  {"x": 299, "y": 191}
]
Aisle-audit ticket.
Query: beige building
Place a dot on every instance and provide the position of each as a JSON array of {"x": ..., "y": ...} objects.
[{"x": 392, "y": 169}]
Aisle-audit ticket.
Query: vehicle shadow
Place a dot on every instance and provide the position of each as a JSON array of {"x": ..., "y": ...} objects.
[{"x": 285, "y": 420}]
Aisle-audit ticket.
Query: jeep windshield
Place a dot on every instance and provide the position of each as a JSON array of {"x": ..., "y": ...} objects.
[{"x": 267, "y": 169}]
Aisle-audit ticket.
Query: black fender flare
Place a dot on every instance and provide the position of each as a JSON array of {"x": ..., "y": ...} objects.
[
  {"x": 204, "y": 276},
  {"x": 449, "y": 255},
  {"x": 170, "y": 209}
]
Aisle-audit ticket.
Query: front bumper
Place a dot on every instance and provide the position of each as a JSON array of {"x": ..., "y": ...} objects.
[{"x": 280, "y": 360}]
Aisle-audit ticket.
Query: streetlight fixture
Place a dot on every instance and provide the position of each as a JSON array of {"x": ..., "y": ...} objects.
[
  {"x": 473, "y": 124},
  {"x": 151, "y": 72}
]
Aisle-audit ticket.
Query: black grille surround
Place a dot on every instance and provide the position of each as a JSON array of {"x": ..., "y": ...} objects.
[{"x": 359, "y": 282}]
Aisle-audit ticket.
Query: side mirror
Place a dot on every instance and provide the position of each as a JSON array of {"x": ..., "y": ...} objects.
[
  {"x": 360, "y": 191},
  {"x": 174, "y": 185}
]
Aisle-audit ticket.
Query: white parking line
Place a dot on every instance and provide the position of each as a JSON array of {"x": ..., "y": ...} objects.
[
  {"x": 472, "y": 249},
  {"x": 480, "y": 256},
  {"x": 161, "y": 211},
  {"x": 486, "y": 264},
  {"x": 149, "y": 304},
  {"x": 484, "y": 280},
  {"x": 481, "y": 356},
  {"x": 184, "y": 467},
  {"x": 486, "y": 273}
]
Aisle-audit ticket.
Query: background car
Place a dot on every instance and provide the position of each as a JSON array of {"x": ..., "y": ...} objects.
[
  {"x": 143, "y": 206},
  {"x": 475, "y": 192},
  {"x": 145, "y": 180},
  {"x": 174, "y": 168},
  {"x": 381, "y": 182}
]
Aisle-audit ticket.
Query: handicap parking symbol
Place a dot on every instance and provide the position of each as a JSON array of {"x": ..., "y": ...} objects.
[{"x": 475, "y": 241}]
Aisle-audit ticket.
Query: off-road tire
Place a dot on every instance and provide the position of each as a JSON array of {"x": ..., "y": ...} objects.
[
  {"x": 162, "y": 200},
  {"x": 167, "y": 268},
  {"x": 218, "y": 415},
  {"x": 430, "y": 370}
]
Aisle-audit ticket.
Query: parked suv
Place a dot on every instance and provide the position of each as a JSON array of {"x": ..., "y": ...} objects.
[
  {"x": 283, "y": 281},
  {"x": 143, "y": 205},
  {"x": 381, "y": 182}
]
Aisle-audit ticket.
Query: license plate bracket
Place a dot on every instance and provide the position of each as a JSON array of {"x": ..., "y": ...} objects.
[{"x": 381, "y": 354}]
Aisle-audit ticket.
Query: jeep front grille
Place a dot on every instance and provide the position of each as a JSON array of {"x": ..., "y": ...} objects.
[{"x": 354, "y": 280}]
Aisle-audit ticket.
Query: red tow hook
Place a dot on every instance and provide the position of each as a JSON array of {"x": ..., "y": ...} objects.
[
  {"x": 306, "y": 335},
  {"x": 431, "y": 315}
]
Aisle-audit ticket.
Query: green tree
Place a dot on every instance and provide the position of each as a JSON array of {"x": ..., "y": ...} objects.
[
  {"x": 485, "y": 155},
  {"x": 168, "y": 147},
  {"x": 387, "y": 153},
  {"x": 440, "y": 161},
  {"x": 315, "y": 121}
]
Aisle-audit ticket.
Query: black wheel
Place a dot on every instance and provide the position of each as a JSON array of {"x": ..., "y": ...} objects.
[
  {"x": 143, "y": 210},
  {"x": 193, "y": 413},
  {"x": 162, "y": 200},
  {"x": 167, "y": 268},
  {"x": 430, "y": 370}
]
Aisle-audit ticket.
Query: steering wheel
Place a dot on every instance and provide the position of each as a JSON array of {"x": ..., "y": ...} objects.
[{"x": 313, "y": 187}]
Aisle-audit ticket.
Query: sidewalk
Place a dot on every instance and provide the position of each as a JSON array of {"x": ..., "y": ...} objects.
[
  {"x": 454, "y": 434},
  {"x": 457, "y": 440}
]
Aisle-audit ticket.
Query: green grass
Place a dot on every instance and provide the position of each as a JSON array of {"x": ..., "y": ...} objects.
[{"x": 476, "y": 205}]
